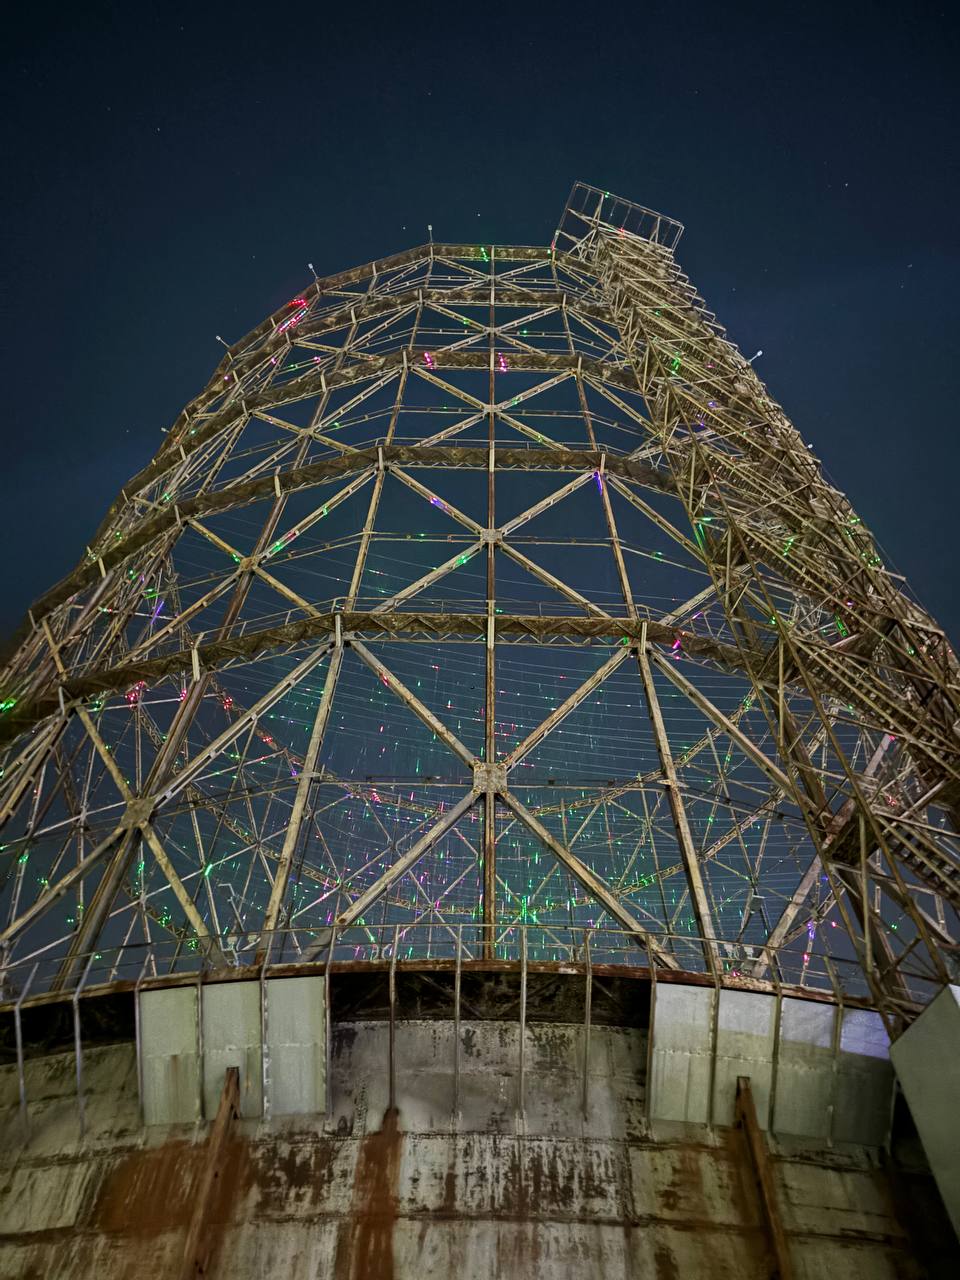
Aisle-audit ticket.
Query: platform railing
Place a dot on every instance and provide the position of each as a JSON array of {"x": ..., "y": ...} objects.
[{"x": 734, "y": 962}]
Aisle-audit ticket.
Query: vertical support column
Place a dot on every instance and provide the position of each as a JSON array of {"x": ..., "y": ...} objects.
[
  {"x": 521, "y": 1073},
  {"x": 587, "y": 1009},
  {"x": 392, "y": 982},
  {"x": 264, "y": 1031},
  {"x": 304, "y": 784},
  {"x": 763, "y": 1174},
  {"x": 651, "y": 1021},
  {"x": 698, "y": 893},
  {"x": 456, "y": 1023},
  {"x": 490, "y": 683},
  {"x": 196, "y": 1250},
  {"x": 714, "y": 1039},
  {"x": 138, "y": 1034},
  {"x": 328, "y": 1020},
  {"x": 78, "y": 1048}
]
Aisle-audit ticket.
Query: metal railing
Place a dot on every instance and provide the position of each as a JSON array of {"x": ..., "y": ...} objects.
[{"x": 731, "y": 962}]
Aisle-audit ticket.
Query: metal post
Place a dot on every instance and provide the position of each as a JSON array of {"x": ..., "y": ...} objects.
[
  {"x": 393, "y": 1018},
  {"x": 648, "y": 1088},
  {"x": 746, "y": 1119},
  {"x": 775, "y": 1058},
  {"x": 137, "y": 1032},
  {"x": 714, "y": 1036},
  {"x": 523, "y": 1022},
  {"x": 456, "y": 1023},
  {"x": 837, "y": 1040},
  {"x": 21, "y": 1078},
  {"x": 588, "y": 1000},
  {"x": 328, "y": 1019},
  {"x": 76, "y": 1042},
  {"x": 264, "y": 1025},
  {"x": 200, "y": 1101}
]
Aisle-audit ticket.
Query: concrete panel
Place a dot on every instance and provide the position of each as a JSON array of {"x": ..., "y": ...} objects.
[
  {"x": 745, "y": 1030},
  {"x": 805, "y": 1069},
  {"x": 684, "y": 1183},
  {"x": 841, "y": 1202},
  {"x": 43, "y": 1197},
  {"x": 927, "y": 1060},
  {"x": 231, "y": 1038},
  {"x": 682, "y": 1030},
  {"x": 169, "y": 1057},
  {"x": 296, "y": 1045}
]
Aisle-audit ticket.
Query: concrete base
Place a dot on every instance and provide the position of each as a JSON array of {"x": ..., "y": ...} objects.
[
  {"x": 423, "y": 1192},
  {"x": 927, "y": 1062}
]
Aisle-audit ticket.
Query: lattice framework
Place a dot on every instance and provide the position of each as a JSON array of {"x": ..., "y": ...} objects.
[{"x": 486, "y": 587}]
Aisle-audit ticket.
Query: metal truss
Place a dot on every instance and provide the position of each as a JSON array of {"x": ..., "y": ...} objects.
[{"x": 486, "y": 588}]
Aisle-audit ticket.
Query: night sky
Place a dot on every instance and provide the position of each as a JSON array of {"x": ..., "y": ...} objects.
[{"x": 171, "y": 169}]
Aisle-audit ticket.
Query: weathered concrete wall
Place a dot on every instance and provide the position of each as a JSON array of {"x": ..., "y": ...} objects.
[{"x": 424, "y": 1193}]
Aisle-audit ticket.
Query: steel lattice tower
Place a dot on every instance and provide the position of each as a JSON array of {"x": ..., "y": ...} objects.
[{"x": 481, "y": 588}]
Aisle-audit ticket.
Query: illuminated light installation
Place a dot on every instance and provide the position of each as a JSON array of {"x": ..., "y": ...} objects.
[{"x": 361, "y": 663}]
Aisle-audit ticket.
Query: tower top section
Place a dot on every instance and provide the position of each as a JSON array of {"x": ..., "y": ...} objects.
[{"x": 589, "y": 210}]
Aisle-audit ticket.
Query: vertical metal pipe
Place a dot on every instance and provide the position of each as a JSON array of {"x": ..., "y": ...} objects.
[
  {"x": 18, "y": 1031},
  {"x": 328, "y": 1021},
  {"x": 714, "y": 1035},
  {"x": 201, "y": 1107},
  {"x": 78, "y": 1049},
  {"x": 775, "y": 1059},
  {"x": 138, "y": 1034},
  {"x": 587, "y": 1004},
  {"x": 456, "y": 1022},
  {"x": 648, "y": 1084},
  {"x": 393, "y": 1018},
  {"x": 521, "y": 1081},
  {"x": 264, "y": 1031}
]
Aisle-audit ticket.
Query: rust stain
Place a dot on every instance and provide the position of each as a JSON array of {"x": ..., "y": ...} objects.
[
  {"x": 666, "y": 1263},
  {"x": 295, "y": 1178},
  {"x": 365, "y": 1243},
  {"x": 148, "y": 1192},
  {"x": 685, "y": 1190}
]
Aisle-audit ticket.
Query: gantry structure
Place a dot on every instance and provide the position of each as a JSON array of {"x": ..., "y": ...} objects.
[{"x": 484, "y": 602}]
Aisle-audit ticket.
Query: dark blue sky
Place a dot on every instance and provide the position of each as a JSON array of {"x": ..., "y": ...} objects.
[{"x": 170, "y": 170}]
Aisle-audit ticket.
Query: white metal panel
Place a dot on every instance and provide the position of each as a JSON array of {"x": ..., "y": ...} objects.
[
  {"x": 682, "y": 1030},
  {"x": 864, "y": 1092},
  {"x": 169, "y": 1059},
  {"x": 745, "y": 1029},
  {"x": 296, "y": 1045},
  {"x": 927, "y": 1060},
  {"x": 804, "y": 1087},
  {"x": 231, "y": 1038}
]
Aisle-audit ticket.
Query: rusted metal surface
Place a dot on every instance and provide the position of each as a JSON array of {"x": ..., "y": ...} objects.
[
  {"x": 746, "y": 1114},
  {"x": 197, "y": 1248}
]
